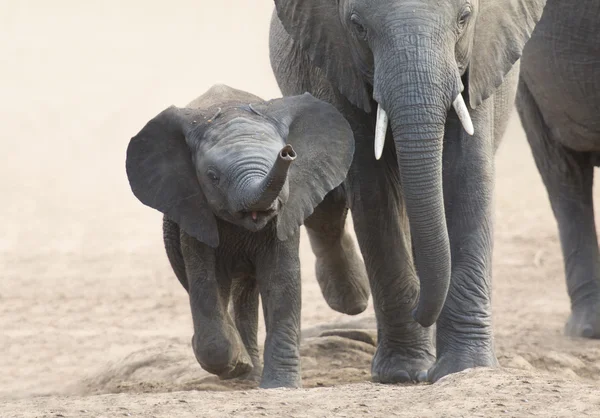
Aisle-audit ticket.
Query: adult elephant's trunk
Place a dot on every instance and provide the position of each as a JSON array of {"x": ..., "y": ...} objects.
[
  {"x": 415, "y": 85},
  {"x": 260, "y": 195}
]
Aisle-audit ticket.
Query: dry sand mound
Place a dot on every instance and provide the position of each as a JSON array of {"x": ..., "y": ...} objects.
[
  {"x": 326, "y": 361},
  {"x": 473, "y": 393}
]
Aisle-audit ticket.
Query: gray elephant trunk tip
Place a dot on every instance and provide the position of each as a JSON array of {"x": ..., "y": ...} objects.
[
  {"x": 266, "y": 192},
  {"x": 287, "y": 153}
]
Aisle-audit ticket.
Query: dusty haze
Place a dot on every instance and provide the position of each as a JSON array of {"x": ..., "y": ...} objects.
[{"x": 88, "y": 303}]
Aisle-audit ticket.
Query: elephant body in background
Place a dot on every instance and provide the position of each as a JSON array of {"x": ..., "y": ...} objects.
[
  {"x": 423, "y": 212},
  {"x": 559, "y": 105},
  {"x": 235, "y": 177}
]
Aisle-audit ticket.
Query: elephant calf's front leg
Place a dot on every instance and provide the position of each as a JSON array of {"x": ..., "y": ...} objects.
[
  {"x": 278, "y": 275},
  {"x": 216, "y": 341}
]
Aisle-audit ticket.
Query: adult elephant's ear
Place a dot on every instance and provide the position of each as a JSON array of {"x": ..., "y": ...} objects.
[
  {"x": 324, "y": 146},
  {"x": 316, "y": 26},
  {"x": 162, "y": 175},
  {"x": 502, "y": 29}
]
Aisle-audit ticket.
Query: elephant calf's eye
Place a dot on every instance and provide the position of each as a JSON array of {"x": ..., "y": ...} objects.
[{"x": 212, "y": 175}]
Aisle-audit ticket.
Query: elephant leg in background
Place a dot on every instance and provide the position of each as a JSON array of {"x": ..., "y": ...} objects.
[
  {"x": 339, "y": 269},
  {"x": 279, "y": 282},
  {"x": 403, "y": 346},
  {"x": 216, "y": 341},
  {"x": 568, "y": 177},
  {"x": 245, "y": 310},
  {"x": 464, "y": 336},
  {"x": 172, "y": 244}
]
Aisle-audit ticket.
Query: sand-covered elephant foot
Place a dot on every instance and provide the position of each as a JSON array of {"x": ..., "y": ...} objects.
[
  {"x": 584, "y": 322},
  {"x": 222, "y": 354},
  {"x": 401, "y": 365},
  {"x": 254, "y": 375},
  {"x": 342, "y": 277},
  {"x": 286, "y": 373},
  {"x": 462, "y": 358},
  {"x": 289, "y": 380}
]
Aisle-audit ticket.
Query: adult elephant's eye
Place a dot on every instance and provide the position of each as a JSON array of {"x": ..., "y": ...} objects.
[
  {"x": 359, "y": 29},
  {"x": 212, "y": 175},
  {"x": 464, "y": 16}
]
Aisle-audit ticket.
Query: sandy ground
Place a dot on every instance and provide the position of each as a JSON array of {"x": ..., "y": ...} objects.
[{"x": 92, "y": 320}]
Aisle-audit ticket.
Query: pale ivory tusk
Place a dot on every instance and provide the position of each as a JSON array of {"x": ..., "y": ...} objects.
[
  {"x": 463, "y": 114},
  {"x": 380, "y": 131}
]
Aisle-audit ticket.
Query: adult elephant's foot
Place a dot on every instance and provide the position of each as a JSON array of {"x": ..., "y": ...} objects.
[
  {"x": 401, "y": 364},
  {"x": 584, "y": 322},
  {"x": 461, "y": 357},
  {"x": 342, "y": 277}
]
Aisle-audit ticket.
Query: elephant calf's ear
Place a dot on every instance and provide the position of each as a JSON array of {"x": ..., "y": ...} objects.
[
  {"x": 162, "y": 175},
  {"x": 324, "y": 145}
]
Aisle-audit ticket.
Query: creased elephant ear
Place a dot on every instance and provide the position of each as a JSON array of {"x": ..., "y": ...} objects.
[
  {"x": 162, "y": 175},
  {"x": 324, "y": 145},
  {"x": 316, "y": 26},
  {"x": 503, "y": 28}
]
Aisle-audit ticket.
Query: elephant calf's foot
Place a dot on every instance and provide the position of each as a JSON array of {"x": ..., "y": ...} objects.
[
  {"x": 456, "y": 360},
  {"x": 400, "y": 365},
  {"x": 254, "y": 375},
  {"x": 227, "y": 360},
  {"x": 343, "y": 279},
  {"x": 241, "y": 368},
  {"x": 584, "y": 322},
  {"x": 281, "y": 380}
]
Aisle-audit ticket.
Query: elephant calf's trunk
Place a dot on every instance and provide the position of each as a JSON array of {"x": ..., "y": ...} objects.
[{"x": 265, "y": 192}]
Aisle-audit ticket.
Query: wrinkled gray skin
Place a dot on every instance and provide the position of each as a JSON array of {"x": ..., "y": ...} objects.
[
  {"x": 423, "y": 213},
  {"x": 234, "y": 196},
  {"x": 559, "y": 105}
]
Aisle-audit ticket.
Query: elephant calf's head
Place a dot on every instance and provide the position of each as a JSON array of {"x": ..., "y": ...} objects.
[
  {"x": 242, "y": 164},
  {"x": 232, "y": 155}
]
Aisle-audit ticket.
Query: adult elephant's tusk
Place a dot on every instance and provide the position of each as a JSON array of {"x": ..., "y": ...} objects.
[
  {"x": 380, "y": 131},
  {"x": 463, "y": 114}
]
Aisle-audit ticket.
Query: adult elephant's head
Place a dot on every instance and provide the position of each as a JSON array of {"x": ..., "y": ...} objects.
[{"x": 414, "y": 58}]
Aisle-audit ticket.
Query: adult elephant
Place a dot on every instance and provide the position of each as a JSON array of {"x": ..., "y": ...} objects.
[
  {"x": 559, "y": 104},
  {"x": 425, "y": 209}
]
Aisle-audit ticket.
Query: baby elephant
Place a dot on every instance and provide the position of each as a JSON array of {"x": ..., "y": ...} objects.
[{"x": 235, "y": 177}]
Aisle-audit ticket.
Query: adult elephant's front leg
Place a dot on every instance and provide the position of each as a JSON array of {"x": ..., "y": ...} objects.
[
  {"x": 381, "y": 225},
  {"x": 464, "y": 328}
]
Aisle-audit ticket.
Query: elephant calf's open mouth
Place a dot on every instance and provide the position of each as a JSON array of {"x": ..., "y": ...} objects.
[{"x": 257, "y": 215}]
